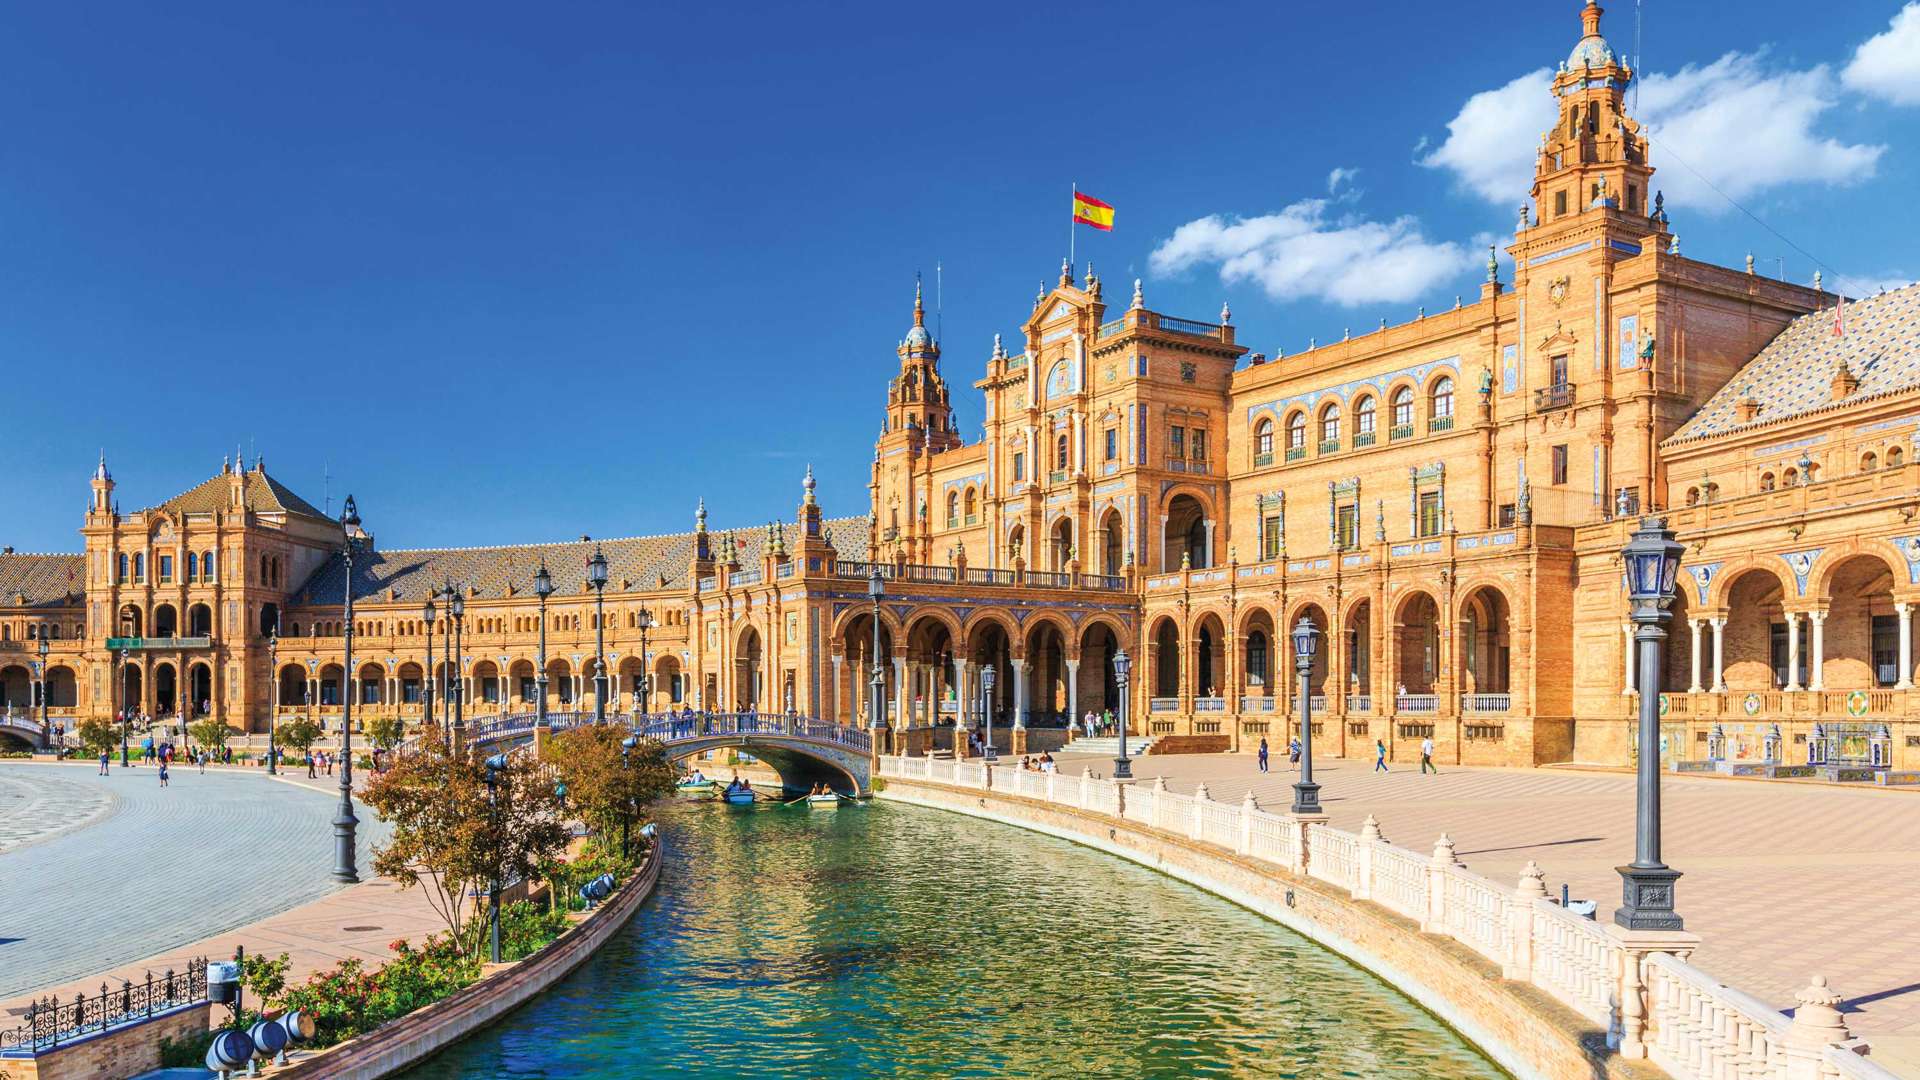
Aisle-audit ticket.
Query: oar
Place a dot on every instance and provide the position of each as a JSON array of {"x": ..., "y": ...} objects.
[{"x": 794, "y": 802}]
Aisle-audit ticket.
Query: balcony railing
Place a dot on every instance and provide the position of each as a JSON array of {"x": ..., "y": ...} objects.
[
  {"x": 1110, "y": 582},
  {"x": 1549, "y": 398},
  {"x": 1296, "y": 453},
  {"x": 1329, "y": 446},
  {"x": 1364, "y": 438},
  {"x": 1486, "y": 703},
  {"x": 1440, "y": 423},
  {"x": 1163, "y": 704},
  {"x": 1400, "y": 431},
  {"x": 849, "y": 568},
  {"x": 940, "y": 575},
  {"x": 1209, "y": 704},
  {"x": 1257, "y": 704},
  {"x": 1317, "y": 703},
  {"x": 1049, "y": 579},
  {"x": 1110, "y": 328},
  {"x": 1188, "y": 326},
  {"x": 1057, "y": 476},
  {"x": 989, "y": 577},
  {"x": 1261, "y": 461},
  {"x": 137, "y": 643},
  {"x": 1417, "y": 703},
  {"x": 1360, "y": 703}
]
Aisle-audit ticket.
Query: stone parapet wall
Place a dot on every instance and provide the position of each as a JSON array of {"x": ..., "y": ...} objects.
[{"x": 128, "y": 1050}]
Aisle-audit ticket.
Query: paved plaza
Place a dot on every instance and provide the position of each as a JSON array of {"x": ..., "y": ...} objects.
[
  {"x": 1783, "y": 880},
  {"x": 99, "y": 872}
]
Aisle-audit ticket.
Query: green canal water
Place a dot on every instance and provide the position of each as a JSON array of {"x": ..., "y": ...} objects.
[{"x": 891, "y": 941}]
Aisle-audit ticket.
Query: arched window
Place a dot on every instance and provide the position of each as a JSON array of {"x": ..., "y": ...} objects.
[
  {"x": 973, "y": 509},
  {"x": 1363, "y": 421},
  {"x": 1060, "y": 453},
  {"x": 1693, "y": 496},
  {"x": 1330, "y": 424},
  {"x": 1789, "y": 478},
  {"x": 206, "y": 567},
  {"x": 193, "y": 567},
  {"x": 1257, "y": 658},
  {"x": 1442, "y": 402},
  {"x": 1402, "y": 412},
  {"x": 1297, "y": 431},
  {"x": 53, "y": 631},
  {"x": 953, "y": 509},
  {"x": 263, "y": 570},
  {"x": 1869, "y": 462},
  {"x": 140, "y": 566},
  {"x": 1263, "y": 438},
  {"x": 1766, "y": 481},
  {"x": 1894, "y": 457},
  {"x": 122, "y": 576}
]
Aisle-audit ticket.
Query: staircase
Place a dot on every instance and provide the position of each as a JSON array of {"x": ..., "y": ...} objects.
[{"x": 1137, "y": 746}]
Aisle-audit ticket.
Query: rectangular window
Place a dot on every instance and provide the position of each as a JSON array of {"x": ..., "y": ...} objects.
[
  {"x": 1886, "y": 650},
  {"x": 1559, "y": 371},
  {"x": 1506, "y": 515},
  {"x": 529, "y": 690},
  {"x": 1560, "y": 204},
  {"x": 166, "y": 569},
  {"x": 409, "y": 691},
  {"x": 1429, "y": 513},
  {"x": 1199, "y": 444},
  {"x": 1112, "y": 443},
  {"x": 1560, "y": 464},
  {"x": 1626, "y": 501},
  {"x": 1270, "y": 538},
  {"x": 140, "y": 567},
  {"x": 1177, "y": 442},
  {"x": 1019, "y": 466},
  {"x": 1347, "y": 527},
  {"x": 329, "y": 692}
]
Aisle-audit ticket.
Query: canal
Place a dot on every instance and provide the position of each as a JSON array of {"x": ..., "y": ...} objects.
[{"x": 893, "y": 941}]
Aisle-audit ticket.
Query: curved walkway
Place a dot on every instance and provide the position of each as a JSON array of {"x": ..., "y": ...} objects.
[
  {"x": 35, "y": 808},
  {"x": 172, "y": 866}
]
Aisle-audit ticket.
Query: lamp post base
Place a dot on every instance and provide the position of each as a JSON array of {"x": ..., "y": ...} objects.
[
  {"x": 1306, "y": 798},
  {"x": 1122, "y": 769},
  {"x": 343, "y": 845},
  {"x": 1647, "y": 898}
]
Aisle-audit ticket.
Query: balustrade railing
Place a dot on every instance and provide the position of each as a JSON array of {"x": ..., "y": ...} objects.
[
  {"x": 1163, "y": 704},
  {"x": 1048, "y": 579},
  {"x": 1417, "y": 703},
  {"x": 1257, "y": 704},
  {"x": 49, "y": 1022},
  {"x": 1360, "y": 703},
  {"x": 1209, "y": 704},
  {"x": 1694, "y": 1027},
  {"x": 1486, "y": 703}
]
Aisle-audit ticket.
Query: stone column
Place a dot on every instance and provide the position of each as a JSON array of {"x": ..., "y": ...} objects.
[
  {"x": 1627, "y": 633},
  {"x": 1073, "y": 691},
  {"x": 1793, "y": 650},
  {"x": 1719, "y": 654},
  {"x": 1905, "y": 612},
  {"x": 1815, "y": 681},
  {"x": 1207, "y": 556},
  {"x": 1019, "y": 693},
  {"x": 902, "y": 713},
  {"x": 837, "y": 713},
  {"x": 1693, "y": 625}
]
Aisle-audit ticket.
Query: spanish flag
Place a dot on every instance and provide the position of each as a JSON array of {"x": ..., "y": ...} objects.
[{"x": 1088, "y": 210}]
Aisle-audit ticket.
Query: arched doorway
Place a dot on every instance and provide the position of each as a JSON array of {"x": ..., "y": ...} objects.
[
  {"x": 747, "y": 674},
  {"x": 63, "y": 690},
  {"x": 486, "y": 684},
  {"x": 412, "y": 683},
  {"x": 989, "y": 646},
  {"x": 166, "y": 689},
  {"x": 858, "y": 667},
  {"x": 130, "y": 621},
  {"x": 1060, "y": 551},
  {"x": 526, "y": 687},
  {"x": 293, "y": 685},
  {"x": 1166, "y": 660},
  {"x": 270, "y": 620},
  {"x": 199, "y": 690},
  {"x": 331, "y": 686},
  {"x": 1359, "y": 656},
  {"x": 1050, "y": 694},
  {"x": 1016, "y": 542},
  {"x": 1209, "y": 663},
  {"x": 1486, "y": 644},
  {"x": 1099, "y": 691},
  {"x": 1861, "y": 637},
  {"x": 16, "y": 688},
  {"x": 166, "y": 623},
  {"x": 669, "y": 686},
  {"x": 1113, "y": 536},
  {"x": 559, "y": 684},
  {"x": 1185, "y": 534},
  {"x": 1754, "y": 654},
  {"x": 1417, "y": 645},
  {"x": 199, "y": 621},
  {"x": 371, "y": 680},
  {"x": 931, "y": 694},
  {"x": 132, "y": 685}
]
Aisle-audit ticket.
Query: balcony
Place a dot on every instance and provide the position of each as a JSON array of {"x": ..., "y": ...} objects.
[
  {"x": 1439, "y": 424},
  {"x": 1257, "y": 704},
  {"x": 1549, "y": 398},
  {"x": 1400, "y": 431},
  {"x": 1209, "y": 704},
  {"x": 1296, "y": 453},
  {"x": 1163, "y": 704},
  {"x": 1057, "y": 476},
  {"x": 1417, "y": 703},
  {"x": 1364, "y": 438},
  {"x": 1359, "y": 703},
  {"x": 1329, "y": 446},
  {"x": 138, "y": 643},
  {"x": 1486, "y": 703},
  {"x": 1261, "y": 461}
]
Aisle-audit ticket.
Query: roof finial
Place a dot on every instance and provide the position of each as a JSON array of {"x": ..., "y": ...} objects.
[
  {"x": 1226, "y": 313},
  {"x": 1066, "y": 271},
  {"x": 1139, "y": 298},
  {"x": 1091, "y": 277},
  {"x": 807, "y": 484},
  {"x": 1818, "y": 282},
  {"x": 919, "y": 308},
  {"x": 1493, "y": 266},
  {"x": 1041, "y": 296},
  {"x": 224, "y": 467},
  {"x": 700, "y": 516},
  {"x": 1749, "y": 264},
  {"x": 999, "y": 350}
]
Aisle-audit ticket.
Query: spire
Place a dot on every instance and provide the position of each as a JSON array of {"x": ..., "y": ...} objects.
[
  {"x": 100, "y": 470},
  {"x": 1590, "y": 18},
  {"x": 919, "y": 308}
]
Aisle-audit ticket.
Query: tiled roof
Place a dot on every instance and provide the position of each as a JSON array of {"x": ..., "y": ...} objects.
[
  {"x": 45, "y": 580},
  {"x": 634, "y": 564},
  {"x": 264, "y": 495},
  {"x": 1793, "y": 375}
]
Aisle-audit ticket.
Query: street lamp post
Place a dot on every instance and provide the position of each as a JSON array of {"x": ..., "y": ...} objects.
[
  {"x": 1306, "y": 642},
  {"x": 987, "y": 677},
  {"x": 495, "y": 765},
  {"x": 429, "y": 611},
  {"x": 456, "y": 675},
  {"x": 542, "y": 588},
  {"x": 1653, "y": 561},
  {"x": 273, "y": 698},
  {"x": 344, "y": 822},
  {"x": 877, "y": 696},
  {"x": 645, "y": 619},
  {"x": 1122, "y": 670},
  {"x": 597, "y": 579},
  {"x": 46, "y": 728},
  {"x": 125, "y": 708}
]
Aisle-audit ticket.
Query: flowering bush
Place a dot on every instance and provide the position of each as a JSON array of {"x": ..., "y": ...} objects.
[{"x": 349, "y": 1000}]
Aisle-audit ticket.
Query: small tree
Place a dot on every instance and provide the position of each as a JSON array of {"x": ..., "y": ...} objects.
[
  {"x": 210, "y": 733},
  {"x": 450, "y": 840},
  {"x": 600, "y": 788},
  {"x": 387, "y": 731},
  {"x": 98, "y": 734},
  {"x": 298, "y": 734}
]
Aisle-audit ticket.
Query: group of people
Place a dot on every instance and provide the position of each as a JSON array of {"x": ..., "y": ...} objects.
[
  {"x": 1098, "y": 723},
  {"x": 1379, "y": 755},
  {"x": 1042, "y": 762}
]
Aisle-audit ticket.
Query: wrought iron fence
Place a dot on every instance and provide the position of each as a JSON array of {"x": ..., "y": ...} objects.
[{"x": 49, "y": 1022}]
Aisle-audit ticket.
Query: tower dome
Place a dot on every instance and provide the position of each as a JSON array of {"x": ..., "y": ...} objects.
[
  {"x": 1592, "y": 50},
  {"x": 918, "y": 336}
]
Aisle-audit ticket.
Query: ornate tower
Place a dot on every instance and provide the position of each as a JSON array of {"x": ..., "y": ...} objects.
[
  {"x": 917, "y": 405},
  {"x": 1595, "y": 157},
  {"x": 102, "y": 488}
]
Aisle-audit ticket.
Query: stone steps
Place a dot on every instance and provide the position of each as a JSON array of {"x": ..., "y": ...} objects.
[{"x": 1110, "y": 746}]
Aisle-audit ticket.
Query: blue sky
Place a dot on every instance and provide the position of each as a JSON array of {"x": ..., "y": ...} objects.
[{"x": 512, "y": 274}]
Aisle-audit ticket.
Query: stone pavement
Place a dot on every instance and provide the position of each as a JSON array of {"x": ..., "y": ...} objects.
[
  {"x": 1782, "y": 880},
  {"x": 35, "y": 808},
  {"x": 209, "y": 854}
]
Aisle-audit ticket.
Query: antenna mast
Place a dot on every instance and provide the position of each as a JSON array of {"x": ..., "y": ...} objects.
[{"x": 939, "y": 305}]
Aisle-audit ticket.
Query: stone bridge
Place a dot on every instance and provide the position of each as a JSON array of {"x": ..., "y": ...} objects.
[
  {"x": 804, "y": 751},
  {"x": 23, "y": 726}
]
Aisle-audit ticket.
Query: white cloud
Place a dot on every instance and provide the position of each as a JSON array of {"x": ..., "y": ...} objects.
[
  {"x": 1300, "y": 253},
  {"x": 1871, "y": 284},
  {"x": 1744, "y": 125},
  {"x": 1490, "y": 143},
  {"x": 1747, "y": 130},
  {"x": 1340, "y": 177},
  {"x": 1887, "y": 65}
]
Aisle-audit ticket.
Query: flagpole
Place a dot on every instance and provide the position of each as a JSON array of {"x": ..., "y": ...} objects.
[{"x": 1073, "y": 195}]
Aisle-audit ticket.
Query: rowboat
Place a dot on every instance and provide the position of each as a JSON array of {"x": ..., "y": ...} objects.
[
  {"x": 696, "y": 787},
  {"x": 828, "y": 801},
  {"x": 737, "y": 797}
]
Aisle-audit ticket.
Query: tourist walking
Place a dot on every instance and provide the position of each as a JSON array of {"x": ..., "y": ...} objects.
[
  {"x": 1379, "y": 756},
  {"x": 163, "y": 772},
  {"x": 103, "y": 762},
  {"x": 1426, "y": 757},
  {"x": 1293, "y": 752},
  {"x": 1263, "y": 753},
  {"x": 310, "y": 772}
]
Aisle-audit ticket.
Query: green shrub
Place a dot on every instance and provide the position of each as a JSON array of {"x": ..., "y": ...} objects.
[
  {"x": 526, "y": 929},
  {"x": 349, "y": 1001}
]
